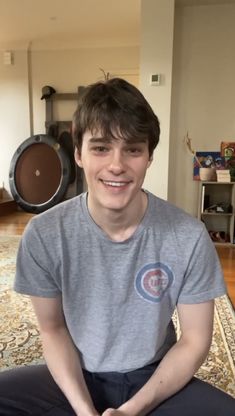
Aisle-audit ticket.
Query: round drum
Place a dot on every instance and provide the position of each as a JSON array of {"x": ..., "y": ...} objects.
[{"x": 39, "y": 173}]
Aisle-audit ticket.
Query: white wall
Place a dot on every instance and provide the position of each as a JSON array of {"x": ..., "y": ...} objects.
[
  {"x": 203, "y": 95},
  {"x": 14, "y": 109},
  {"x": 156, "y": 54}
]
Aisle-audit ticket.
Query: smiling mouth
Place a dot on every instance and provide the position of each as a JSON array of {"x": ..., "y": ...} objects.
[{"x": 115, "y": 184}]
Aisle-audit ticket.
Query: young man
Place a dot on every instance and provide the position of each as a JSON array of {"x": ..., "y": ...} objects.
[{"x": 105, "y": 271}]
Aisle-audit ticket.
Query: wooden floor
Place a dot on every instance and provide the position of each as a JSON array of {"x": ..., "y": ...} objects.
[
  {"x": 14, "y": 224},
  {"x": 227, "y": 258}
]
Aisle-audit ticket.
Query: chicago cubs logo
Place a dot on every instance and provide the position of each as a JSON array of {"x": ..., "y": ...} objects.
[{"x": 153, "y": 280}]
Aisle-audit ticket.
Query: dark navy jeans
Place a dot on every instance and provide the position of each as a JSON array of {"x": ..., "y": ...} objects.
[{"x": 31, "y": 390}]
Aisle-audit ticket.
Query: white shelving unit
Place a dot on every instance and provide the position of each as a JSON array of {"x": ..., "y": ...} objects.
[{"x": 216, "y": 193}]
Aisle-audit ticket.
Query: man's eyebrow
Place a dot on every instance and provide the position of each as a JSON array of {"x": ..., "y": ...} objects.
[
  {"x": 136, "y": 141},
  {"x": 100, "y": 140},
  {"x": 111, "y": 139}
]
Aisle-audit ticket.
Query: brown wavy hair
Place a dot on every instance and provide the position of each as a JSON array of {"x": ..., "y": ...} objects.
[{"x": 117, "y": 109}]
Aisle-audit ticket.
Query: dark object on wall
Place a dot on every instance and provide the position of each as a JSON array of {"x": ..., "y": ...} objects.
[
  {"x": 40, "y": 173},
  {"x": 47, "y": 91},
  {"x": 61, "y": 130},
  {"x": 66, "y": 141},
  {"x": 53, "y": 130}
]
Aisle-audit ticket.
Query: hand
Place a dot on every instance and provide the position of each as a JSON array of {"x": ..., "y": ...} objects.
[{"x": 113, "y": 412}]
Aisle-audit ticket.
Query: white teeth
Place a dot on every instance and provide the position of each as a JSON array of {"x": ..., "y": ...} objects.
[{"x": 114, "y": 183}]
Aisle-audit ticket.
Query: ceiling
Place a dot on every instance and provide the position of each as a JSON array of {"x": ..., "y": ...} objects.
[{"x": 82, "y": 22}]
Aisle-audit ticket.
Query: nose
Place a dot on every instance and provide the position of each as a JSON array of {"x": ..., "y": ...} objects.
[{"x": 116, "y": 163}]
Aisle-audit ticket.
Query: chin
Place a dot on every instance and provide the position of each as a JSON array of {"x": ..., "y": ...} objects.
[{"x": 114, "y": 206}]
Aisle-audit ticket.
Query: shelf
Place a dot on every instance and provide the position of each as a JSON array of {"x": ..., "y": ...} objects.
[
  {"x": 224, "y": 244},
  {"x": 217, "y": 183},
  {"x": 224, "y": 214},
  {"x": 215, "y": 194}
]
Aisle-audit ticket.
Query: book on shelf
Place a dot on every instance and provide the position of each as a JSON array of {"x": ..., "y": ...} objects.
[
  {"x": 224, "y": 179},
  {"x": 223, "y": 175}
]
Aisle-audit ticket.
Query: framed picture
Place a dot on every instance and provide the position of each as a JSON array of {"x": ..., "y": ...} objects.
[
  {"x": 207, "y": 160},
  {"x": 228, "y": 152},
  {"x": 227, "y": 149}
]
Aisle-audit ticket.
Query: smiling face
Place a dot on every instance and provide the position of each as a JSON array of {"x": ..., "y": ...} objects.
[{"x": 115, "y": 170}]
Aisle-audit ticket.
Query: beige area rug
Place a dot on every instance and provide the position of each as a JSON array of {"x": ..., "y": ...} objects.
[{"x": 19, "y": 336}]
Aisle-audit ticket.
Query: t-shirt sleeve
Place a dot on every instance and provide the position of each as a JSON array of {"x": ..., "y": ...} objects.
[
  {"x": 203, "y": 279},
  {"x": 35, "y": 266}
]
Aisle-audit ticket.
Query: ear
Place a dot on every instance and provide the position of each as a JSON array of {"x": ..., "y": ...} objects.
[
  {"x": 77, "y": 157},
  {"x": 150, "y": 161}
]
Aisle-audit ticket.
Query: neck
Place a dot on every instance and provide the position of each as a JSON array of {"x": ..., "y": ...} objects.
[{"x": 120, "y": 225}]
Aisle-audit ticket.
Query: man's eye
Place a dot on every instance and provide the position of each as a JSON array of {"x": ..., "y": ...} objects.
[
  {"x": 100, "y": 149},
  {"x": 134, "y": 150}
]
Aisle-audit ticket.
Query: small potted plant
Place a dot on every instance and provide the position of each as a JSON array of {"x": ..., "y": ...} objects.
[{"x": 207, "y": 171}]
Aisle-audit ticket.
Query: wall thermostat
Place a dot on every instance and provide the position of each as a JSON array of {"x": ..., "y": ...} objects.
[
  {"x": 155, "y": 79},
  {"x": 7, "y": 58}
]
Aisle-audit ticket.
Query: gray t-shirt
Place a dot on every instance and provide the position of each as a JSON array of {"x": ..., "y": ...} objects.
[{"x": 119, "y": 297}]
